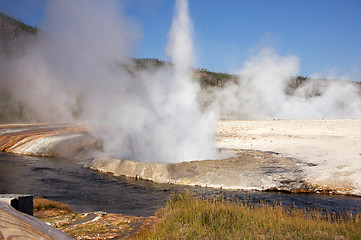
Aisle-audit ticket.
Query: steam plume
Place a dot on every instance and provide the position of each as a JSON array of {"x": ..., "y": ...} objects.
[
  {"x": 261, "y": 92},
  {"x": 78, "y": 70}
]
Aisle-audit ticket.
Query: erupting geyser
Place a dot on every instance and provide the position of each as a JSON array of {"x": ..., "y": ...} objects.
[{"x": 78, "y": 70}]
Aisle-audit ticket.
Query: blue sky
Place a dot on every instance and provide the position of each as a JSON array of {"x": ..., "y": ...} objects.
[{"x": 324, "y": 34}]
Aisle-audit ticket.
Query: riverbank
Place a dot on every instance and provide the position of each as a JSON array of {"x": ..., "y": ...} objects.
[
  {"x": 246, "y": 170},
  {"x": 329, "y": 148},
  {"x": 285, "y": 155},
  {"x": 186, "y": 217},
  {"x": 47, "y": 140},
  {"x": 90, "y": 225},
  {"x": 189, "y": 217},
  {"x": 321, "y": 156}
]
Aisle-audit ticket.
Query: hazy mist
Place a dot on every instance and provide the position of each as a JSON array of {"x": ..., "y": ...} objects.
[
  {"x": 261, "y": 92},
  {"x": 78, "y": 71}
]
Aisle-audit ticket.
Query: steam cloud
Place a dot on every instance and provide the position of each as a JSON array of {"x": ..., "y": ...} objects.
[
  {"x": 78, "y": 70},
  {"x": 261, "y": 92}
]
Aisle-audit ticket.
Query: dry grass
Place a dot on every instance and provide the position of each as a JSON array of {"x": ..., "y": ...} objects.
[
  {"x": 45, "y": 208},
  {"x": 187, "y": 217}
]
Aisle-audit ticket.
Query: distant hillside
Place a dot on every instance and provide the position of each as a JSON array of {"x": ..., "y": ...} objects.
[
  {"x": 14, "y": 31},
  {"x": 208, "y": 78},
  {"x": 14, "y": 34},
  {"x": 205, "y": 77}
]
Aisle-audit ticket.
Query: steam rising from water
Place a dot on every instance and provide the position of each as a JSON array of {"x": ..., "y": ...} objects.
[
  {"x": 169, "y": 126},
  {"x": 78, "y": 70}
]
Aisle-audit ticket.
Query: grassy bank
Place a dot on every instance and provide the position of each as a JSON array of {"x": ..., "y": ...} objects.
[
  {"x": 45, "y": 208},
  {"x": 186, "y": 217},
  {"x": 45, "y": 204}
]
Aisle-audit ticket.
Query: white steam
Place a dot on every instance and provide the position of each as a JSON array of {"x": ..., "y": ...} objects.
[
  {"x": 73, "y": 65},
  {"x": 78, "y": 70},
  {"x": 169, "y": 126},
  {"x": 180, "y": 45},
  {"x": 261, "y": 92}
]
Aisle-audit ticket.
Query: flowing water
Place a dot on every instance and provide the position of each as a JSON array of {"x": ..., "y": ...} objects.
[{"x": 86, "y": 190}]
